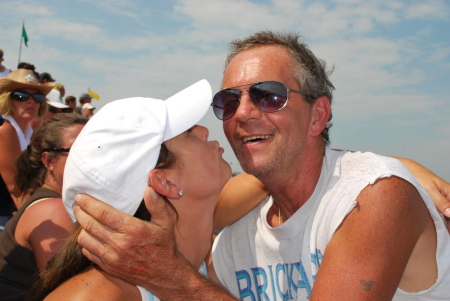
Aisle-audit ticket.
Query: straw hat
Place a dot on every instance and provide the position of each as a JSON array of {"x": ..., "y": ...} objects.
[{"x": 23, "y": 79}]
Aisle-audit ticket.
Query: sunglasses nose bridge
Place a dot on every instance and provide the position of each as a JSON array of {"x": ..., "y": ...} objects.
[{"x": 247, "y": 107}]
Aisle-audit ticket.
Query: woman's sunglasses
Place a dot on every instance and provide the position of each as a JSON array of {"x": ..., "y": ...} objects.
[
  {"x": 24, "y": 96},
  {"x": 57, "y": 149},
  {"x": 269, "y": 96}
]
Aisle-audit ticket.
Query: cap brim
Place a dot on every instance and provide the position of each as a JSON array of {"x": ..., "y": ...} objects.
[
  {"x": 58, "y": 105},
  {"x": 186, "y": 108}
]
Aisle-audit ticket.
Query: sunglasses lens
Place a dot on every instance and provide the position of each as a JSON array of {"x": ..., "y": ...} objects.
[
  {"x": 269, "y": 96},
  {"x": 226, "y": 103},
  {"x": 39, "y": 98},
  {"x": 20, "y": 96},
  {"x": 24, "y": 96}
]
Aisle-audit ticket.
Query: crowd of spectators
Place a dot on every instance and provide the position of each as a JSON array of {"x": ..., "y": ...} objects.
[{"x": 39, "y": 123}]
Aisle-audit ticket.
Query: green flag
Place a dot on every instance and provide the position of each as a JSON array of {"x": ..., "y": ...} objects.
[{"x": 24, "y": 35}]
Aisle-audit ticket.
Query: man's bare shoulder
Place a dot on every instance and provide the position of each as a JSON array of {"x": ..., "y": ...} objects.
[{"x": 374, "y": 242}]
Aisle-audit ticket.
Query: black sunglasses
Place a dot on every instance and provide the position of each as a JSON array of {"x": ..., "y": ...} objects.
[
  {"x": 57, "y": 149},
  {"x": 24, "y": 96},
  {"x": 59, "y": 110},
  {"x": 269, "y": 96}
]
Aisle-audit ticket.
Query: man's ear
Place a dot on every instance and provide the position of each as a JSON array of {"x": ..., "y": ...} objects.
[
  {"x": 321, "y": 112},
  {"x": 157, "y": 179}
]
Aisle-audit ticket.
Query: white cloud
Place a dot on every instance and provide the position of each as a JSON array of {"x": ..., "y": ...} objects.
[
  {"x": 377, "y": 74},
  {"x": 427, "y": 10}
]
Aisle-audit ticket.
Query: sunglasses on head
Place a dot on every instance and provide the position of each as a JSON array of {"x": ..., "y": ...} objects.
[
  {"x": 269, "y": 96},
  {"x": 57, "y": 149},
  {"x": 24, "y": 96}
]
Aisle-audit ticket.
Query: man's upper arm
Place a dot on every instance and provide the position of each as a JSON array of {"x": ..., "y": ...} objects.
[{"x": 368, "y": 253}]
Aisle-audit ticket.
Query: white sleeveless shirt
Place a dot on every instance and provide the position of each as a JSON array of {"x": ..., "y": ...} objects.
[{"x": 257, "y": 262}]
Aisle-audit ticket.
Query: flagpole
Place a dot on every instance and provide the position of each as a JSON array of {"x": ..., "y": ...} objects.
[{"x": 21, "y": 38}]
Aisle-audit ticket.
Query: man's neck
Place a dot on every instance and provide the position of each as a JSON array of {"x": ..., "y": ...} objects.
[{"x": 291, "y": 189}]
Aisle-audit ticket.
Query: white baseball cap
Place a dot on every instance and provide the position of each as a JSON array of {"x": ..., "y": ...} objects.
[
  {"x": 113, "y": 155},
  {"x": 54, "y": 99},
  {"x": 88, "y": 106}
]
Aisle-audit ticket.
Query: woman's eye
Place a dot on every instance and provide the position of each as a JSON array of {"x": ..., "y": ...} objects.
[{"x": 190, "y": 130}]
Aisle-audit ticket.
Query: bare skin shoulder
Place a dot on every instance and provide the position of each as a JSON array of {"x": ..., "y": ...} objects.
[
  {"x": 94, "y": 284},
  {"x": 390, "y": 215}
]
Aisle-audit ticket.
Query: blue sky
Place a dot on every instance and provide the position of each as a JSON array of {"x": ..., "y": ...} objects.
[{"x": 391, "y": 58}]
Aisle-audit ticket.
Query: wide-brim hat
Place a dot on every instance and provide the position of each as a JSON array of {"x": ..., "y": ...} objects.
[
  {"x": 23, "y": 79},
  {"x": 113, "y": 155}
]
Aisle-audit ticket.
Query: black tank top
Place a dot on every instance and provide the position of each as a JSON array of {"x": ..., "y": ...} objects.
[{"x": 18, "y": 268}]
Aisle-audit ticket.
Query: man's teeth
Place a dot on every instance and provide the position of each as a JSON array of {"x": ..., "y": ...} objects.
[{"x": 253, "y": 138}]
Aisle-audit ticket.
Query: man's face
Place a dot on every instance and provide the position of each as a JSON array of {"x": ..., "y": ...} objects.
[
  {"x": 88, "y": 113},
  {"x": 265, "y": 142},
  {"x": 87, "y": 100}
]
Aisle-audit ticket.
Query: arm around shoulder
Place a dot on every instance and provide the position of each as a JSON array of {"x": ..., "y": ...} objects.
[
  {"x": 239, "y": 196},
  {"x": 437, "y": 188}
]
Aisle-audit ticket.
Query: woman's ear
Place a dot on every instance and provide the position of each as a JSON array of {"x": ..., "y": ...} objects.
[
  {"x": 47, "y": 161},
  {"x": 157, "y": 179}
]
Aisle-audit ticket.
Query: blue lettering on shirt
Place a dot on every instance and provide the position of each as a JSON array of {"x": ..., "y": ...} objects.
[{"x": 279, "y": 282}]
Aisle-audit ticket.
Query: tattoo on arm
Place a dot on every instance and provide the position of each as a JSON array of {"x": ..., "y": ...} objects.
[{"x": 367, "y": 285}]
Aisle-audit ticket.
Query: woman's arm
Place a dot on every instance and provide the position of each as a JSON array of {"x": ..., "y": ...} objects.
[
  {"x": 239, "y": 196},
  {"x": 42, "y": 228},
  {"x": 437, "y": 188},
  {"x": 8, "y": 154}
]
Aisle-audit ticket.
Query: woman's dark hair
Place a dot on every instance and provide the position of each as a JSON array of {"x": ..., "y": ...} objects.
[
  {"x": 31, "y": 172},
  {"x": 70, "y": 260}
]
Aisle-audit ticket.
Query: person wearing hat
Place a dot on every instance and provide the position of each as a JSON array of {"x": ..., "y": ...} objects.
[
  {"x": 22, "y": 99},
  {"x": 4, "y": 71},
  {"x": 46, "y": 77},
  {"x": 170, "y": 153},
  {"x": 61, "y": 89},
  {"x": 88, "y": 110},
  {"x": 84, "y": 98}
]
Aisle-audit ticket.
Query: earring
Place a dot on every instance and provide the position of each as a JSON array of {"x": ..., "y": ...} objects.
[{"x": 180, "y": 192}]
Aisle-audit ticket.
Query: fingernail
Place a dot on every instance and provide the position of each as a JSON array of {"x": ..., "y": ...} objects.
[
  {"x": 447, "y": 212},
  {"x": 154, "y": 195},
  {"x": 77, "y": 198}
]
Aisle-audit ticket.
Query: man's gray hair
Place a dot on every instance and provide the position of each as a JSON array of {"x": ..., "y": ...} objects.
[{"x": 309, "y": 72}]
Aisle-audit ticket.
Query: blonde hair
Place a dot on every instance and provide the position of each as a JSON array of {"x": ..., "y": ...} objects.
[{"x": 7, "y": 107}]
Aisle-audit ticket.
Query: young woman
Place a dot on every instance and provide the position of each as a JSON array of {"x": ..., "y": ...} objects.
[
  {"x": 40, "y": 226},
  {"x": 126, "y": 146}
]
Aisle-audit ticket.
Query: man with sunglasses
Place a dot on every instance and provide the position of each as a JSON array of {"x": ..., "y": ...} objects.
[{"x": 362, "y": 218}]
